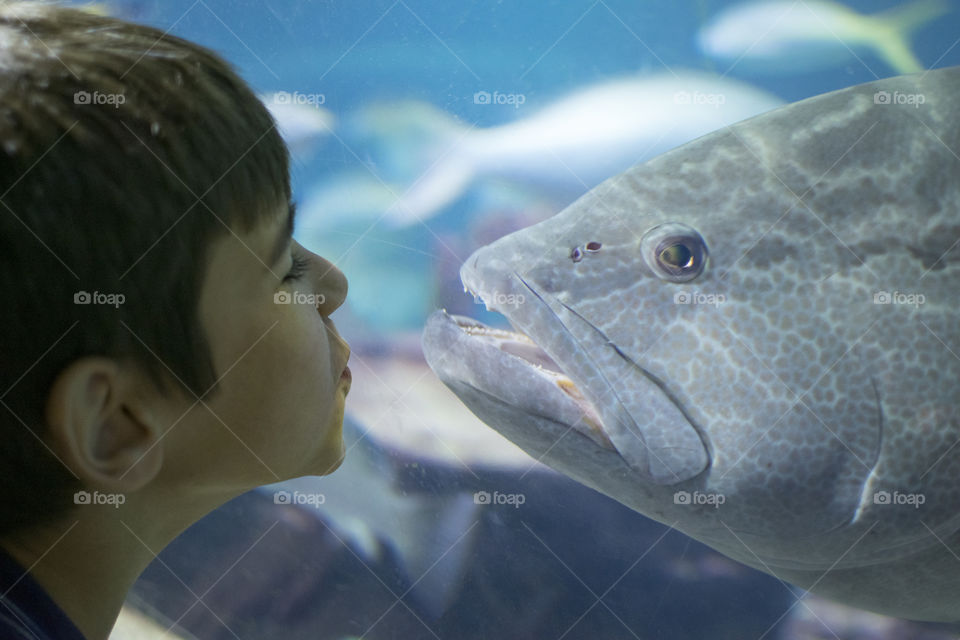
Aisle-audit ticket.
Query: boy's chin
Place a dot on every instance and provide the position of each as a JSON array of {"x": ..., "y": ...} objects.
[
  {"x": 333, "y": 451},
  {"x": 335, "y": 464}
]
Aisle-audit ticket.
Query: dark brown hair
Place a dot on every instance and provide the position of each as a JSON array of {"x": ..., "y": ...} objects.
[{"x": 123, "y": 153}]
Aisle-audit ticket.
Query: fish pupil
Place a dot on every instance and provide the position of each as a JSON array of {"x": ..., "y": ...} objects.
[
  {"x": 677, "y": 256},
  {"x": 674, "y": 251}
]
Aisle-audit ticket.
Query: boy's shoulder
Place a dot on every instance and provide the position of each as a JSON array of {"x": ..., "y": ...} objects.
[{"x": 26, "y": 611}]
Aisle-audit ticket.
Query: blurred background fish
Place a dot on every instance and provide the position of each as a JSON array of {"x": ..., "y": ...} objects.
[
  {"x": 787, "y": 37},
  {"x": 301, "y": 120},
  {"x": 567, "y": 146}
]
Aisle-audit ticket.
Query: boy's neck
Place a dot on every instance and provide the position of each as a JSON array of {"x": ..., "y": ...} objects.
[{"x": 87, "y": 565}]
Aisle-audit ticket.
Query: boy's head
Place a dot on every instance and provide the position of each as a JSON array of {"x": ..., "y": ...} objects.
[{"x": 152, "y": 332}]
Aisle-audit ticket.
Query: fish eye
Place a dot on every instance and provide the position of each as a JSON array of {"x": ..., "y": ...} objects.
[{"x": 674, "y": 251}]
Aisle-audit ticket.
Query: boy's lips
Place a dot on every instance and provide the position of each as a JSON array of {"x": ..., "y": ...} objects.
[
  {"x": 345, "y": 372},
  {"x": 346, "y": 380}
]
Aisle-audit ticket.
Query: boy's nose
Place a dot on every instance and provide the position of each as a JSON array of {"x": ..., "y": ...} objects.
[{"x": 332, "y": 284}]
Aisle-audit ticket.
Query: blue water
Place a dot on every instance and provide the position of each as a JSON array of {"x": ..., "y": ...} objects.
[
  {"x": 356, "y": 54},
  {"x": 442, "y": 53}
]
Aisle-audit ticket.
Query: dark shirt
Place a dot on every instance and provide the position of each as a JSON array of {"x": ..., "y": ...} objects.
[{"x": 26, "y": 611}]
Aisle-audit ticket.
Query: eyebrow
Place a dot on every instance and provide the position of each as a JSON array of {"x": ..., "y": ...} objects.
[{"x": 283, "y": 239}]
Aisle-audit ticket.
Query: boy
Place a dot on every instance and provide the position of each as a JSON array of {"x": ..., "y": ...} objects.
[{"x": 164, "y": 345}]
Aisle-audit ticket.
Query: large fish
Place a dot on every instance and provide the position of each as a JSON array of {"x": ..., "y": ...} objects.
[
  {"x": 753, "y": 338},
  {"x": 785, "y": 36}
]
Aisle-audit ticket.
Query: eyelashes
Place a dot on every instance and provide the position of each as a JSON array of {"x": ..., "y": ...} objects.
[{"x": 297, "y": 269}]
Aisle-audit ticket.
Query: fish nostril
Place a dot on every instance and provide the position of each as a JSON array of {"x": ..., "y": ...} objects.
[
  {"x": 576, "y": 254},
  {"x": 593, "y": 247}
]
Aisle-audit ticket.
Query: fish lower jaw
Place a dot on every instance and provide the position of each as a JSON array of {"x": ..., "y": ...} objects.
[
  {"x": 521, "y": 347},
  {"x": 590, "y": 415}
]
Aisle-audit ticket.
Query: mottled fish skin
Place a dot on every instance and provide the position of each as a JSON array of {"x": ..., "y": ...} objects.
[{"x": 800, "y": 415}]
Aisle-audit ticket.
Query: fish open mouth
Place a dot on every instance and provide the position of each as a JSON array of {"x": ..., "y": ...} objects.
[
  {"x": 553, "y": 378},
  {"x": 511, "y": 367}
]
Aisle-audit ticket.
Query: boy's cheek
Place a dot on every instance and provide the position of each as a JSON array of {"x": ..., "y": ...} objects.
[{"x": 306, "y": 337}]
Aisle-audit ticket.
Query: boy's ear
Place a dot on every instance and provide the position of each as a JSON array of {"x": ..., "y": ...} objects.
[{"x": 100, "y": 428}]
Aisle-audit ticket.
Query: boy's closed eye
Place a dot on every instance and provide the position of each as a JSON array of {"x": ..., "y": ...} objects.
[{"x": 298, "y": 269}]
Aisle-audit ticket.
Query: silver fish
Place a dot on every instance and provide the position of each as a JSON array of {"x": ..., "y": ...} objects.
[
  {"x": 569, "y": 145},
  {"x": 783, "y": 37},
  {"x": 754, "y": 339}
]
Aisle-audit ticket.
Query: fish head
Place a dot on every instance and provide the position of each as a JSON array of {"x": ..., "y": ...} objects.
[
  {"x": 699, "y": 337},
  {"x": 572, "y": 300}
]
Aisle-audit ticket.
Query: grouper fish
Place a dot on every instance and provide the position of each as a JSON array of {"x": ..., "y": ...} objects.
[{"x": 753, "y": 338}]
